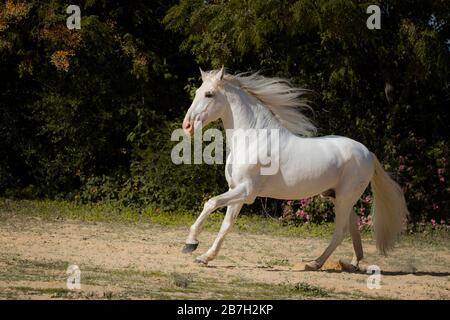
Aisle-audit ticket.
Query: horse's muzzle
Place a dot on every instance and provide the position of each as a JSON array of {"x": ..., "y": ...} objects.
[{"x": 188, "y": 127}]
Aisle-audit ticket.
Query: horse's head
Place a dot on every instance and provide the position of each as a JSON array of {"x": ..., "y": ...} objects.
[{"x": 209, "y": 102}]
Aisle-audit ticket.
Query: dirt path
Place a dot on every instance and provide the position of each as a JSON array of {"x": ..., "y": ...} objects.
[{"x": 144, "y": 261}]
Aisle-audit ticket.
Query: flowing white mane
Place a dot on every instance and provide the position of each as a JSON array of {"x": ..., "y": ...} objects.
[{"x": 280, "y": 97}]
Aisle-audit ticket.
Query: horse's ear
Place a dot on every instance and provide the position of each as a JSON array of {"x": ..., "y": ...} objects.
[
  {"x": 221, "y": 73},
  {"x": 203, "y": 73}
]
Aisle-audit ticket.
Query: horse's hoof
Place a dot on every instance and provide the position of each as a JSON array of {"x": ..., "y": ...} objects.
[
  {"x": 312, "y": 266},
  {"x": 189, "y": 247},
  {"x": 348, "y": 266},
  {"x": 201, "y": 261}
]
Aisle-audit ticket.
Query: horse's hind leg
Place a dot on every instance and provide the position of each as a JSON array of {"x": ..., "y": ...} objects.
[
  {"x": 357, "y": 246},
  {"x": 356, "y": 238},
  {"x": 354, "y": 180},
  {"x": 343, "y": 208}
]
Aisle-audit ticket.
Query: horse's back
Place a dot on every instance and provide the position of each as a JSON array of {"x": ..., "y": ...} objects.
[
  {"x": 310, "y": 166},
  {"x": 348, "y": 148},
  {"x": 356, "y": 159},
  {"x": 326, "y": 150}
]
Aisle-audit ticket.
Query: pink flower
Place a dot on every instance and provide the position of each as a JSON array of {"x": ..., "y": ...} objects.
[
  {"x": 305, "y": 202},
  {"x": 303, "y": 215},
  {"x": 433, "y": 222},
  {"x": 289, "y": 202},
  {"x": 442, "y": 221},
  {"x": 442, "y": 179},
  {"x": 362, "y": 210},
  {"x": 360, "y": 223},
  {"x": 368, "y": 199},
  {"x": 401, "y": 167}
]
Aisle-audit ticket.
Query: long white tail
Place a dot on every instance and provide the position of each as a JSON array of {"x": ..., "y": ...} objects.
[{"x": 389, "y": 209}]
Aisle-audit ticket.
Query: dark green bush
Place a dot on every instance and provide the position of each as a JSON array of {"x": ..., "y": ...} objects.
[
  {"x": 156, "y": 181},
  {"x": 88, "y": 114}
]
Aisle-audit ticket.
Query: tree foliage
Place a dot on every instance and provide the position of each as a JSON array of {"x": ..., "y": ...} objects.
[
  {"x": 70, "y": 98},
  {"x": 387, "y": 88},
  {"x": 86, "y": 114}
]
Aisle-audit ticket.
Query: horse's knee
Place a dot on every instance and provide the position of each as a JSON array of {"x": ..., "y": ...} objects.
[{"x": 210, "y": 204}]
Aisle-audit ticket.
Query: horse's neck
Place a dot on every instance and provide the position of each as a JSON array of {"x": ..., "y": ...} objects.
[{"x": 246, "y": 112}]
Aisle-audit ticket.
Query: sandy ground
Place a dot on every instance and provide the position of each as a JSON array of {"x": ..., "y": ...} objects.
[{"x": 145, "y": 261}]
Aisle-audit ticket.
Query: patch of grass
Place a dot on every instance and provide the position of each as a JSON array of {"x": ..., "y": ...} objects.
[
  {"x": 277, "y": 262},
  {"x": 41, "y": 264},
  {"x": 121, "y": 284},
  {"x": 302, "y": 290},
  {"x": 17, "y": 269},
  {"x": 181, "y": 280},
  {"x": 246, "y": 223},
  {"x": 309, "y": 290},
  {"x": 129, "y": 272},
  {"x": 131, "y": 283},
  {"x": 104, "y": 212},
  {"x": 429, "y": 236},
  {"x": 54, "y": 292}
]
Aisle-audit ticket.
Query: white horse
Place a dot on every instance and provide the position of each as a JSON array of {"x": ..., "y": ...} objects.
[{"x": 336, "y": 166}]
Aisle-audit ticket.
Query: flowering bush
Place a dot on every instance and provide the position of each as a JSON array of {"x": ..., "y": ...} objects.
[
  {"x": 422, "y": 169},
  {"x": 430, "y": 226},
  {"x": 363, "y": 208},
  {"x": 315, "y": 210},
  {"x": 319, "y": 209}
]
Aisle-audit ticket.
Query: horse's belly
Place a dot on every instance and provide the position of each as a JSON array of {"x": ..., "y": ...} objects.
[
  {"x": 304, "y": 175},
  {"x": 303, "y": 185}
]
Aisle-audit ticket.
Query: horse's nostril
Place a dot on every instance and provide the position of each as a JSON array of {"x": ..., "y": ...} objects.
[{"x": 187, "y": 127}]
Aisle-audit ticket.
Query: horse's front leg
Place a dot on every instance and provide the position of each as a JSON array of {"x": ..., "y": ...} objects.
[
  {"x": 230, "y": 217},
  {"x": 235, "y": 195},
  {"x": 191, "y": 241}
]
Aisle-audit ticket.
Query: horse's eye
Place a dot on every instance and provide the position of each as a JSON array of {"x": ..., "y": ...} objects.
[{"x": 209, "y": 94}]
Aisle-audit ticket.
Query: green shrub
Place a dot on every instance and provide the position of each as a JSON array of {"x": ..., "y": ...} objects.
[{"x": 156, "y": 181}]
